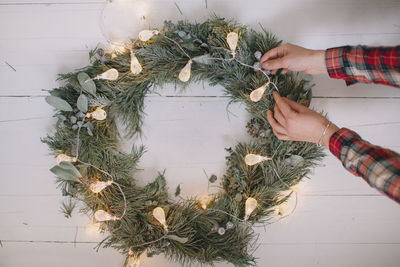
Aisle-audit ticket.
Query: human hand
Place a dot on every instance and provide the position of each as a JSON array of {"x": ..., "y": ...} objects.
[
  {"x": 294, "y": 58},
  {"x": 292, "y": 121}
]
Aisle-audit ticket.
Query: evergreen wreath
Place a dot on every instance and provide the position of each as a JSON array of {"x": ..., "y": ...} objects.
[{"x": 93, "y": 169}]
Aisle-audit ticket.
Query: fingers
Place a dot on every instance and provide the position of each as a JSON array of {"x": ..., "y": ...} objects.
[
  {"x": 273, "y": 53},
  {"x": 294, "y": 105},
  {"x": 276, "y": 127},
  {"x": 274, "y": 64},
  {"x": 283, "y": 105},
  {"x": 279, "y": 116}
]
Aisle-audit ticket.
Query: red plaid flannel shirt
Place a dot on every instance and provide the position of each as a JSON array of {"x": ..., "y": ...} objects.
[
  {"x": 364, "y": 64},
  {"x": 378, "y": 166}
]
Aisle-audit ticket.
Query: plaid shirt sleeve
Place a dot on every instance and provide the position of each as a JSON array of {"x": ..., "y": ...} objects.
[
  {"x": 378, "y": 166},
  {"x": 364, "y": 64}
]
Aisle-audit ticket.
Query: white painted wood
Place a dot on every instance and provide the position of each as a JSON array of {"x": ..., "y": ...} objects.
[{"x": 339, "y": 221}]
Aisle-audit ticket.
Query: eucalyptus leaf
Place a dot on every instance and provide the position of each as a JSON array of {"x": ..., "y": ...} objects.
[
  {"x": 203, "y": 59},
  {"x": 82, "y": 103},
  {"x": 73, "y": 119},
  {"x": 212, "y": 178},
  {"x": 87, "y": 83},
  {"x": 178, "y": 190},
  {"x": 238, "y": 197},
  {"x": 181, "y": 34},
  {"x": 69, "y": 166},
  {"x": 58, "y": 103},
  {"x": 74, "y": 127},
  {"x": 89, "y": 131},
  {"x": 308, "y": 77},
  {"x": 63, "y": 173},
  {"x": 182, "y": 240},
  {"x": 79, "y": 123}
]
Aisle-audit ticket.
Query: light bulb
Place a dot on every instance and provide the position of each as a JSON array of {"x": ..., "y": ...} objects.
[
  {"x": 146, "y": 35},
  {"x": 102, "y": 216},
  {"x": 253, "y": 159},
  {"x": 204, "y": 201},
  {"x": 62, "y": 157},
  {"x": 111, "y": 74},
  {"x": 159, "y": 214},
  {"x": 184, "y": 74},
  {"x": 99, "y": 114},
  {"x": 136, "y": 68},
  {"x": 98, "y": 186},
  {"x": 257, "y": 94},
  {"x": 133, "y": 262},
  {"x": 232, "y": 40},
  {"x": 93, "y": 228},
  {"x": 118, "y": 47},
  {"x": 251, "y": 205}
]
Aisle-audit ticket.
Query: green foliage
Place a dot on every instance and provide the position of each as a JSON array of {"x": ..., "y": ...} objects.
[{"x": 192, "y": 237}]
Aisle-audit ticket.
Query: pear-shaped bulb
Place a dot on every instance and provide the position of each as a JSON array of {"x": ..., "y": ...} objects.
[
  {"x": 159, "y": 215},
  {"x": 62, "y": 157},
  {"x": 102, "y": 216},
  {"x": 98, "y": 186},
  {"x": 93, "y": 228},
  {"x": 204, "y": 201},
  {"x": 184, "y": 74},
  {"x": 251, "y": 205},
  {"x": 111, "y": 74},
  {"x": 99, "y": 114},
  {"x": 136, "y": 68},
  {"x": 232, "y": 40},
  {"x": 133, "y": 261},
  {"x": 146, "y": 35},
  {"x": 253, "y": 159},
  {"x": 258, "y": 93}
]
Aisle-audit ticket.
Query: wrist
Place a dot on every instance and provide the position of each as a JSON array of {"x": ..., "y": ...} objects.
[
  {"x": 319, "y": 63},
  {"x": 328, "y": 134}
]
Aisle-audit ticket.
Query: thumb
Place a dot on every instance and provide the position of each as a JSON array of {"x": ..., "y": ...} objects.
[{"x": 273, "y": 64}]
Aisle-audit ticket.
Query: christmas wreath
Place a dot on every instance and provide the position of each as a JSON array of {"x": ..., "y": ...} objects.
[{"x": 92, "y": 169}]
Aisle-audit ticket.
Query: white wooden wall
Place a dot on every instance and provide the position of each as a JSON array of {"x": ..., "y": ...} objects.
[{"x": 339, "y": 221}]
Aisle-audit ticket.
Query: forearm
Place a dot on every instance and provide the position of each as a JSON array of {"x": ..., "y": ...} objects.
[
  {"x": 378, "y": 166},
  {"x": 364, "y": 64}
]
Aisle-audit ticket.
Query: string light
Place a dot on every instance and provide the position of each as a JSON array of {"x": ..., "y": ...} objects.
[
  {"x": 253, "y": 159},
  {"x": 62, "y": 157},
  {"x": 119, "y": 48},
  {"x": 93, "y": 228},
  {"x": 133, "y": 262},
  {"x": 98, "y": 186},
  {"x": 99, "y": 114},
  {"x": 251, "y": 205},
  {"x": 111, "y": 75},
  {"x": 136, "y": 68},
  {"x": 204, "y": 201},
  {"x": 146, "y": 35},
  {"x": 258, "y": 93},
  {"x": 232, "y": 40},
  {"x": 159, "y": 215},
  {"x": 102, "y": 216},
  {"x": 184, "y": 74}
]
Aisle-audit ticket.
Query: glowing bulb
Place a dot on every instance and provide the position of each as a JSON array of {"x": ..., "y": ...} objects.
[
  {"x": 133, "y": 262},
  {"x": 159, "y": 214},
  {"x": 232, "y": 40},
  {"x": 98, "y": 186},
  {"x": 136, "y": 68},
  {"x": 257, "y": 94},
  {"x": 119, "y": 48},
  {"x": 93, "y": 228},
  {"x": 253, "y": 159},
  {"x": 111, "y": 74},
  {"x": 99, "y": 114},
  {"x": 184, "y": 74},
  {"x": 251, "y": 205},
  {"x": 62, "y": 157},
  {"x": 204, "y": 201},
  {"x": 102, "y": 216},
  {"x": 146, "y": 35}
]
